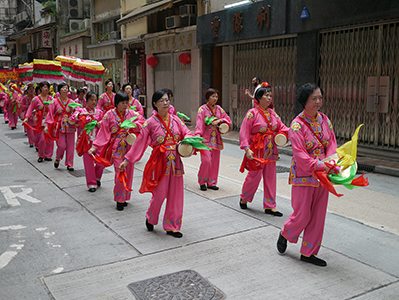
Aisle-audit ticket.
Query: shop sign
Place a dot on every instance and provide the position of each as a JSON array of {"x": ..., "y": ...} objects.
[
  {"x": 72, "y": 49},
  {"x": 242, "y": 23},
  {"x": 179, "y": 41},
  {"x": 46, "y": 39},
  {"x": 106, "y": 52},
  {"x": 3, "y": 49}
]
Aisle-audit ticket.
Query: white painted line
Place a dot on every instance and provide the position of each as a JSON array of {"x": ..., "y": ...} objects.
[
  {"x": 3, "y": 165},
  {"x": 12, "y": 227},
  {"x": 58, "y": 270},
  {"x": 6, "y": 257},
  {"x": 11, "y": 197}
]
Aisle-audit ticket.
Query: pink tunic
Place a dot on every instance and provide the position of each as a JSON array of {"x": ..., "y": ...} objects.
[
  {"x": 12, "y": 105},
  {"x": 111, "y": 131},
  {"x": 254, "y": 124},
  {"x": 139, "y": 107},
  {"x": 210, "y": 160},
  {"x": 309, "y": 199},
  {"x": 171, "y": 185},
  {"x": 25, "y": 102},
  {"x": 106, "y": 102}
]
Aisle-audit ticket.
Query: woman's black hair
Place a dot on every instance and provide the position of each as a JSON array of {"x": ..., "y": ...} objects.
[
  {"x": 108, "y": 81},
  {"x": 80, "y": 90},
  {"x": 261, "y": 91},
  {"x": 37, "y": 90},
  {"x": 209, "y": 92},
  {"x": 158, "y": 95},
  {"x": 303, "y": 93},
  {"x": 61, "y": 85},
  {"x": 89, "y": 94},
  {"x": 120, "y": 97},
  {"x": 43, "y": 83},
  {"x": 125, "y": 85}
]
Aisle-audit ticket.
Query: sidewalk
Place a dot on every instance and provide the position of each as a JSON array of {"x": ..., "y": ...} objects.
[{"x": 377, "y": 161}]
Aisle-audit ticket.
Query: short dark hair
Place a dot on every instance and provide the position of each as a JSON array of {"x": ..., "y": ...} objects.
[
  {"x": 261, "y": 91},
  {"x": 125, "y": 85},
  {"x": 158, "y": 95},
  {"x": 108, "y": 81},
  {"x": 61, "y": 85},
  {"x": 80, "y": 90},
  {"x": 303, "y": 93},
  {"x": 210, "y": 92},
  {"x": 257, "y": 78},
  {"x": 120, "y": 97},
  {"x": 43, "y": 83},
  {"x": 89, "y": 94}
]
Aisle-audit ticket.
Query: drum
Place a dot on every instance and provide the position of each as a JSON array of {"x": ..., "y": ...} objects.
[
  {"x": 185, "y": 150},
  {"x": 130, "y": 138},
  {"x": 224, "y": 128},
  {"x": 281, "y": 139}
]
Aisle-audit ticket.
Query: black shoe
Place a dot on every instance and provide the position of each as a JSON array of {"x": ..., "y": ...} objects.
[
  {"x": 98, "y": 183},
  {"x": 243, "y": 205},
  {"x": 213, "y": 187},
  {"x": 6, "y": 121},
  {"x": 12, "y": 128},
  {"x": 119, "y": 205},
  {"x": 149, "y": 226},
  {"x": 203, "y": 187},
  {"x": 314, "y": 260},
  {"x": 56, "y": 163},
  {"x": 92, "y": 190},
  {"x": 37, "y": 149},
  {"x": 273, "y": 213},
  {"x": 281, "y": 244},
  {"x": 40, "y": 159},
  {"x": 176, "y": 234},
  {"x": 48, "y": 159},
  {"x": 31, "y": 146},
  {"x": 125, "y": 204},
  {"x": 70, "y": 168}
]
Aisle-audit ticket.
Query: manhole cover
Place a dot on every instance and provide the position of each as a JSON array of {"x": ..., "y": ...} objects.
[
  {"x": 81, "y": 172},
  {"x": 186, "y": 285},
  {"x": 280, "y": 169},
  {"x": 16, "y": 135}
]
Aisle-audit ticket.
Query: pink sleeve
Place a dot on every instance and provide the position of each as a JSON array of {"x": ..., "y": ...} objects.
[
  {"x": 140, "y": 145},
  {"x": 30, "y": 109},
  {"x": 224, "y": 116},
  {"x": 245, "y": 130},
  {"x": 103, "y": 136},
  {"x": 50, "y": 114},
  {"x": 200, "y": 125},
  {"x": 140, "y": 109}
]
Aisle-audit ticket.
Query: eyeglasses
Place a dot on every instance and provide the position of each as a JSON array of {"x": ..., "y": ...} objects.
[{"x": 163, "y": 101}]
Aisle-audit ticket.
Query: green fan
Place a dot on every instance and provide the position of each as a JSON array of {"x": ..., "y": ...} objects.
[
  {"x": 133, "y": 107},
  {"x": 74, "y": 105},
  {"x": 90, "y": 126},
  {"x": 129, "y": 123},
  {"x": 47, "y": 102},
  {"x": 195, "y": 142},
  {"x": 209, "y": 120},
  {"x": 181, "y": 115}
]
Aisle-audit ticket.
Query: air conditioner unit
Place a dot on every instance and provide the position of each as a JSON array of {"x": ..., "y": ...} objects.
[
  {"x": 143, "y": 100},
  {"x": 188, "y": 10},
  {"x": 75, "y": 24},
  {"x": 22, "y": 16},
  {"x": 172, "y": 22},
  {"x": 115, "y": 35},
  {"x": 75, "y": 9},
  {"x": 86, "y": 23}
]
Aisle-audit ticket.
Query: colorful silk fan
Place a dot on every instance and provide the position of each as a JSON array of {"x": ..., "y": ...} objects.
[
  {"x": 87, "y": 70},
  {"x": 195, "y": 142},
  {"x": 47, "y": 70},
  {"x": 66, "y": 65},
  {"x": 25, "y": 72}
]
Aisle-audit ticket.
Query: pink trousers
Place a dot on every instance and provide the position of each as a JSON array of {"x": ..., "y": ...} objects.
[
  {"x": 93, "y": 171},
  {"x": 120, "y": 193},
  {"x": 12, "y": 119},
  {"x": 170, "y": 188},
  {"x": 66, "y": 143},
  {"x": 209, "y": 170},
  {"x": 5, "y": 114},
  {"x": 45, "y": 149},
  {"x": 251, "y": 184},
  {"x": 310, "y": 207},
  {"x": 30, "y": 133}
]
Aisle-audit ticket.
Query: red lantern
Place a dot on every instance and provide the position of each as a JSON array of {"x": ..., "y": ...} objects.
[
  {"x": 152, "y": 61},
  {"x": 185, "y": 58}
]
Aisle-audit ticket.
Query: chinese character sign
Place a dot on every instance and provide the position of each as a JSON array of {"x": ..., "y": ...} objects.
[
  {"x": 46, "y": 39},
  {"x": 237, "y": 22},
  {"x": 180, "y": 41},
  {"x": 215, "y": 26},
  {"x": 263, "y": 16}
]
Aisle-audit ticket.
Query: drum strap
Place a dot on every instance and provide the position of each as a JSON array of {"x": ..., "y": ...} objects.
[
  {"x": 314, "y": 133},
  {"x": 264, "y": 116},
  {"x": 211, "y": 110},
  {"x": 167, "y": 128}
]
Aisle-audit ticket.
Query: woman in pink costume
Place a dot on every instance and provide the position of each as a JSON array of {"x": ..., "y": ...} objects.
[
  {"x": 127, "y": 88},
  {"x": 210, "y": 160},
  {"x": 312, "y": 138},
  {"x": 106, "y": 100},
  {"x": 37, "y": 111},
  {"x": 25, "y": 102},
  {"x": 113, "y": 138},
  {"x": 257, "y": 133},
  {"x": 12, "y": 106},
  {"x": 3, "y": 106},
  {"x": 58, "y": 126},
  {"x": 164, "y": 169},
  {"x": 83, "y": 116}
]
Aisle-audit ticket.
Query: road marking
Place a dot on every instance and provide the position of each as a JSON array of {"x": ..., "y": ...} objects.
[
  {"x": 3, "y": 165},
  {"x": 12, "y": 227},
  {"x": 6, "y": 257},
  {"x": 11, "y": 197},
  {"x": 58, "y": 270}
]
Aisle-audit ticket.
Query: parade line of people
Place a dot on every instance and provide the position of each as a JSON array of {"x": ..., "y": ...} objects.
[{"x": 107, "y": 126}]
